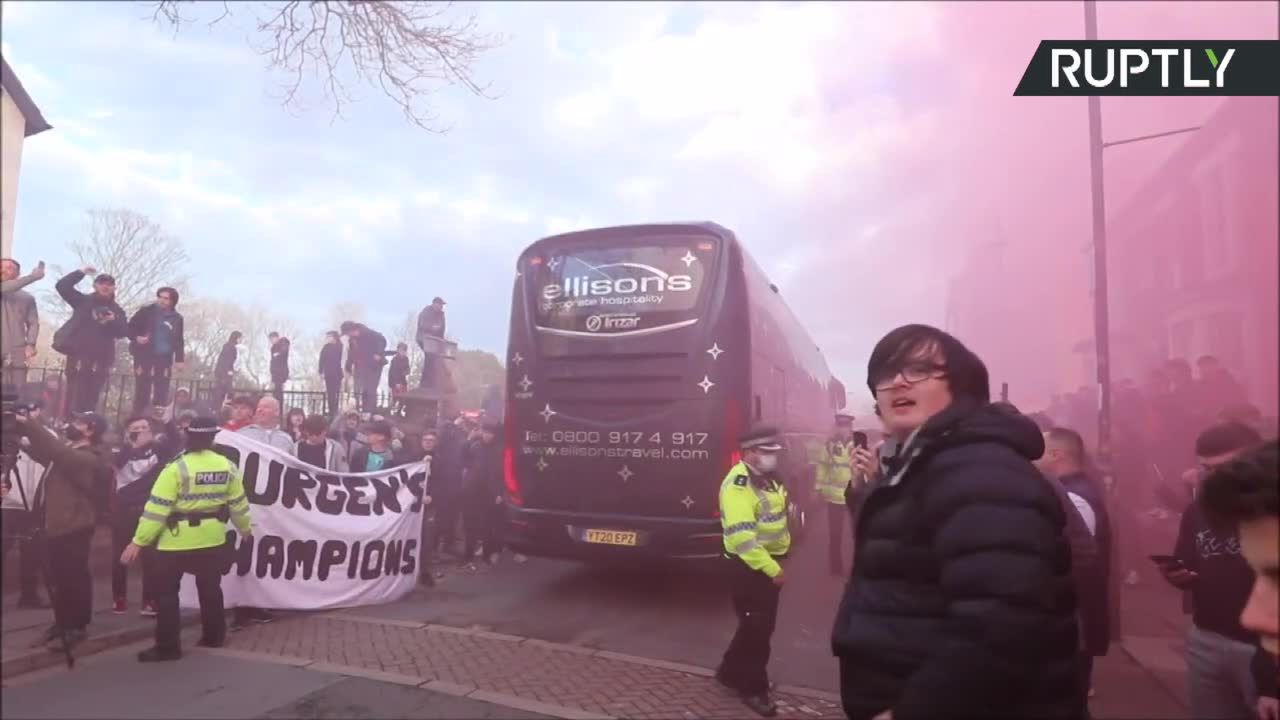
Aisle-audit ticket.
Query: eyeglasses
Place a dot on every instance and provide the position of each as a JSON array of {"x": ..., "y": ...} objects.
[{"x": 912, "y": 373}]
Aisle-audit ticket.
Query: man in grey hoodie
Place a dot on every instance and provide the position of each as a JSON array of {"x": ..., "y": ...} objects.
[
  {"x": 318, "y": 450},
  {"x": 19, "y": 321}
]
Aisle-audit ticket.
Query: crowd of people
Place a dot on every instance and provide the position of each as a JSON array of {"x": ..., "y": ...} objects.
[
  {"x": 86, "y": 479},
  {"x": 981, "y": 584},
  {"x": 985, "y": 540},
  {"x": 156, "y": 339}
]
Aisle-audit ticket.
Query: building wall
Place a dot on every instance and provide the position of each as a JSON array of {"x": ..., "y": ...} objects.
[
  {"x": 12, "y": 131},
  {"x": 1194, "y": 255}
]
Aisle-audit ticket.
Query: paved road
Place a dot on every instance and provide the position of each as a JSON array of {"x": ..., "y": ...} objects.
[
  {"x": 203, "y": 685},
  {"x": 680, "y": 615}
]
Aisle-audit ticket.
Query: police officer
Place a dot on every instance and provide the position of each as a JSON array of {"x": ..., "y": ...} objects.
[
  {"x": 185, "y": 518},
  {"x": 833, "y": 477},
  {"x": 753, "y": 513}
]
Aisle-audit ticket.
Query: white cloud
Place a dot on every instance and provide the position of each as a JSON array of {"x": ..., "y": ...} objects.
[
  {"x": 752, "y": 84},
  {"x": 582, "y": 111}
]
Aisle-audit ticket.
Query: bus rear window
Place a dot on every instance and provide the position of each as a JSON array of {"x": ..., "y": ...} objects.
[{"x": 607, "y": 290}]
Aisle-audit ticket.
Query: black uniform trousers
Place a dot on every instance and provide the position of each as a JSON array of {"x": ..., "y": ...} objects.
[
  {"x": 151, "y": 381},
  {"x": 68, "y": 557},
  {"x": 755, "y": 602},
  {"x": 835, "y": 536},
  {"x": 207, "y": 565}
]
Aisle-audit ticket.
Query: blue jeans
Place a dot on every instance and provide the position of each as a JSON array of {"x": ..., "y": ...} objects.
[{"x": 1219, "y": 677}]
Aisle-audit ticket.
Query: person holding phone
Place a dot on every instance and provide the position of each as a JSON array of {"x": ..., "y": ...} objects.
[
  {"x": 88, "y": 338},
  {"x": 1207, "y": 563}
]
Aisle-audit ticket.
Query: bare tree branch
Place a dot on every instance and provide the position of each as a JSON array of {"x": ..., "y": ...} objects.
[
  {"x": 130, "y": 247},
  {"x": 407, "y": 49}
]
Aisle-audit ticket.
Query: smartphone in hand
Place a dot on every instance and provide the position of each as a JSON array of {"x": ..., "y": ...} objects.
[{"x": 1168, "y": 562}]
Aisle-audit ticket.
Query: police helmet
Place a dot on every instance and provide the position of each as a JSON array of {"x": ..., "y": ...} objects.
[
  {"x": 764, "y": 439},
  {"x": 203, "y": 425}
]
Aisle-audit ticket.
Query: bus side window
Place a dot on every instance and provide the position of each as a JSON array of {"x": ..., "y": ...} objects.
[{"x": 759, "y": 415}]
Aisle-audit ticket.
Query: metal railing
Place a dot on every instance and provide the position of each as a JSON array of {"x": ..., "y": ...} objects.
[{"x": 48, "y": 384}]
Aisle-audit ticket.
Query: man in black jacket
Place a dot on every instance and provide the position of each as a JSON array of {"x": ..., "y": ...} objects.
[
  {"x": 483, "y": 493},
  {"x": 224, "y": 370},
  {"x": 279, "y": 365},
  {"x": 1222, "y": 679},
  {"x": 398, "y": 378},
  {"x": 962, "y": 603},
  {"x": 88, "y": 337},
  {"x": 331, "y": 372},
  {"x": 157, "y": 343},
  {"x": 366, "y": 354},
  {"x": 1065, "y": 462},
  {"x": 447, "y": 468}
]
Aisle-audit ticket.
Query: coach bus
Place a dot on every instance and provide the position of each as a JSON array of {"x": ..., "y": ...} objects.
[{"x": 637, "y": 356}]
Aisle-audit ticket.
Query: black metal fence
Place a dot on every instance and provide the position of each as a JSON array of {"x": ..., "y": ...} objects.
[{"x": 116, "y": 402}]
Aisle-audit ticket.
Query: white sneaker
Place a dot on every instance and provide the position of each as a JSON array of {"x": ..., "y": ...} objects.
[{"x": 519, "y": 559}]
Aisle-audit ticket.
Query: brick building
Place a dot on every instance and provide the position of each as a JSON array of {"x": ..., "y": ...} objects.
[{"x": 1193, "y": 255}]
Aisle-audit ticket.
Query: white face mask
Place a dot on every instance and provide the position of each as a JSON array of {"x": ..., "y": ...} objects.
[{"x": 767, "y": 463}]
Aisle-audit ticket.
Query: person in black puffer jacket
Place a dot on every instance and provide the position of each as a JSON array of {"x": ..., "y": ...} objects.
[{"x": 961, "y": 602}]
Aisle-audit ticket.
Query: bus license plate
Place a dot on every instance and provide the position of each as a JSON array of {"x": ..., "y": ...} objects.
[{"x": 610, "y": 537}]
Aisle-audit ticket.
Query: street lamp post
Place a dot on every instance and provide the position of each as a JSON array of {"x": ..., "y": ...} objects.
[
  {"x": 1101, "y": 316},
  {"x": 1101, "y": 319}
]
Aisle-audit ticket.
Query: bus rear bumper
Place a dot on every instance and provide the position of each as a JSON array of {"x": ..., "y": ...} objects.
[{"x": 549, "y": 533}]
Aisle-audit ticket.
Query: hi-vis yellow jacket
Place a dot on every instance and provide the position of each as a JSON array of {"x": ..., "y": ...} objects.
[
  {"x": 754, "y": 519},
  {"x": 198, "y": 482},
  {"x": 834, "y": 470}
]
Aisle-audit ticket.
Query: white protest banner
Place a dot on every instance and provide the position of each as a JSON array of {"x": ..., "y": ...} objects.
[{"x": 320, "y": 540}]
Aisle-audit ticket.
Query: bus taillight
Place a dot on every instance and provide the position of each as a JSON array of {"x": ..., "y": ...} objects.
[{"x": 509, "y": 476}]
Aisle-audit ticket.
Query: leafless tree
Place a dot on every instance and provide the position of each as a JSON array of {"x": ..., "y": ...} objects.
[
  {"x": 407, "y": 49},
  {"x": 347, "y": 310},
  {"x": 137, "y": 252},
  {"x": 408, "y": 333}
]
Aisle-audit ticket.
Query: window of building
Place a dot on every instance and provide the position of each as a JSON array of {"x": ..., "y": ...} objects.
[{"x": 1215, "y": 185}]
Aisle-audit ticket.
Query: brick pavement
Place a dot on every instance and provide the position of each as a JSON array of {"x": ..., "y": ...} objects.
[{"x": 595, "y": 682}]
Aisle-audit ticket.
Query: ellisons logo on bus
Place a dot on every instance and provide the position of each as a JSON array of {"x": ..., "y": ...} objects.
[{"x": 586, "y": 286}]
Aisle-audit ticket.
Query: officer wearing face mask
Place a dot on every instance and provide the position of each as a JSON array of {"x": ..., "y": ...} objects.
[{"x": 753, "y": 513}]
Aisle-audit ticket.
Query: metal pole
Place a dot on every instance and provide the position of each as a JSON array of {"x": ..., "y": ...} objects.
[{"x": 1101, "y": 319}]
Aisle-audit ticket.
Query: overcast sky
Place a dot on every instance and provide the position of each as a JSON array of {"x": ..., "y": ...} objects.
[{"x": 861, "y": 151}]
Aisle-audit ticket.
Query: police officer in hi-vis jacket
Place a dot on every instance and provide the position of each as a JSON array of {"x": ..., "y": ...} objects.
[
  {"x": 186, "y": 519},
  {"x": 753, "y": 513}
]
